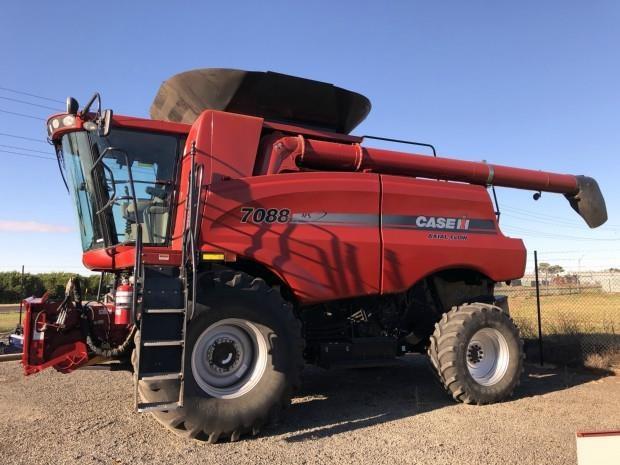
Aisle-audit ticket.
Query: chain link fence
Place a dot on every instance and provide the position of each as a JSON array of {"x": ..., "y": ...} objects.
[{"x": 579, "y": 320}]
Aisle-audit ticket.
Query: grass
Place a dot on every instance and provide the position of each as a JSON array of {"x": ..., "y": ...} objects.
[
  {"x": 8, "y": 321},
  {"x": 581, "y": 329},
  {"x": 562, "y": 314},
  {"x": 604, "y": 360}
]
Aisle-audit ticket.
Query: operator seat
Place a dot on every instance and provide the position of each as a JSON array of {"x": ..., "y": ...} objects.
[{"x": 153, "y": 213}]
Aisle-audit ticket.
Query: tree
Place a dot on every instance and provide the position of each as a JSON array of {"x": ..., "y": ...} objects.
[
  {"x": 555, "y": 270},
  {"x": 11, "y": 286},
  {"x": 544, "y": 268},
  {"x": 36, "y": 285},
  {"x": 549, "y": 269},
  {"x": 91, "y": 285}
]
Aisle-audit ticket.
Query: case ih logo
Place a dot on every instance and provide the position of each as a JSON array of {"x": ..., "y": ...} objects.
[{"x": 439, "y": 222}]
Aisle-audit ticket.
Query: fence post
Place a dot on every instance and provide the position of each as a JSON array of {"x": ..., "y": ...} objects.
[
  {"x": 21, "y": 300},
  {"x": 540, "y": 342}
]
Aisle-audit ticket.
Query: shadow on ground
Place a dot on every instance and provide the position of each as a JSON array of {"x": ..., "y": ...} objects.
[{"x": 332, "y": 402}]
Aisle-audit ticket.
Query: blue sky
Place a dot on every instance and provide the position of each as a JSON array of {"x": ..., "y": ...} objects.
[{"x": 532, "y": 84}]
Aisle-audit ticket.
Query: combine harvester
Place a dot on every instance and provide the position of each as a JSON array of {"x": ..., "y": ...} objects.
[{"x": 243, "y": 232}]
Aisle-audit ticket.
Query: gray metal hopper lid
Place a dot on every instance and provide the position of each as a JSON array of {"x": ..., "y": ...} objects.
[{"x": 273, "y": 96}]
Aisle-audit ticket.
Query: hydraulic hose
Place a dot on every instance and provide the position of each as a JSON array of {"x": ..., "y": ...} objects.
[{"x": 112, "y": 352}]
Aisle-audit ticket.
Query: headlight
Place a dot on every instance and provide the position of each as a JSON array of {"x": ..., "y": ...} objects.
[{"x": 59, "y": 122}]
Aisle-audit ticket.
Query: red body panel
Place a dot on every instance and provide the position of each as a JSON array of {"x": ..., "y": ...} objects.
[
  {"x": 411, "y": 252},
  {"x": 43, "y": 346},
  {"x": 321, "y": 253},
  {"x": 122, "y": 257},
  {"x": 225, "y": 147},
  {"x": 336, "y": 246}
]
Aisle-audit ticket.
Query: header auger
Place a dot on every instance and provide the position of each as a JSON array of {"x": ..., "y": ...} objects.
[{"x": 242, "y": 232}]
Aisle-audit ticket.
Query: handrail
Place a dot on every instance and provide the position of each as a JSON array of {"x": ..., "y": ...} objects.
[
  {"x": 191, "y": 224},
  {"x": 137, "y": 277},
  {"x": 189, "y": 241}
]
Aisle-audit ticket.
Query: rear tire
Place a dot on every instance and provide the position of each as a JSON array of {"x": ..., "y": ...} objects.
[
  {"x": 242, "y": 362},
  {"x": 477, "y": 353}
]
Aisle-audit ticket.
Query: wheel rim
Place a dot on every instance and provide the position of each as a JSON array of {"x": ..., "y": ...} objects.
[
  {"x": 487, "y": 356},
  {"x": 229, "y": 358}
]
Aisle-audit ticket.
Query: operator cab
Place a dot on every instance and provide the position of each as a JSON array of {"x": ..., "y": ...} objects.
[{"x": 104, "y": 169}]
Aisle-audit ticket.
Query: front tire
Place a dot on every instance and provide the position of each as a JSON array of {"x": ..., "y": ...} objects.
[
  {"x": 242, "y": 362},
  {"x": 477, "y": 353}
]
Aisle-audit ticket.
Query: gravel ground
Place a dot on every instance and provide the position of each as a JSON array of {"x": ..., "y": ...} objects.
[{"x": 381, "y": 416}]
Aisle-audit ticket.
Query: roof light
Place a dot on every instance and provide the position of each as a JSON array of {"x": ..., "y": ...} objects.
[{"x": 60, "y": 122}]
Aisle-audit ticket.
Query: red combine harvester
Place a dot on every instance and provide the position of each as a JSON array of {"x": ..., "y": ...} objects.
[{"x": 242, "y": 232}]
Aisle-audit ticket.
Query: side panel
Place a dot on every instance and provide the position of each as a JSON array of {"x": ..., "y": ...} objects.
[
  {"x": 226, "y": 146},
  {"x": 323, "y": 241},
  {"x": 430, "y": 225}
]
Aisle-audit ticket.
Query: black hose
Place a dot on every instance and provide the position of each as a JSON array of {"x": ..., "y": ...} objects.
[{"x": 109, "y": 353}]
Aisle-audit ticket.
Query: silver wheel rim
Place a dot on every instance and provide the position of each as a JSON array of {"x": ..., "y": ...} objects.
[
  {"x": 487, "y": 356},
  {"x": 229, "y": 358}
]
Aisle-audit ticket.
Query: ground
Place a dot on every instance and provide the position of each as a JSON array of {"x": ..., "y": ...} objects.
[{"x": 383, "y": 416}]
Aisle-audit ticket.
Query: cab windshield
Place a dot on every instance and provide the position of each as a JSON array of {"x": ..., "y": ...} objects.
[{"x": 102, "y": 195}]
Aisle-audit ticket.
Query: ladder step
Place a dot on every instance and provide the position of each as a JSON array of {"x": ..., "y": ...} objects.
[
  {"x": 160, "y": 376},
  {"x": 157, "y": 406},
  {"x": 151, "y": 311},
  {"x": 162, "y": 343}
]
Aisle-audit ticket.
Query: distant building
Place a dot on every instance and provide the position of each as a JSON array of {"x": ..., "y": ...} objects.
[{"x": 608, "y": 280}]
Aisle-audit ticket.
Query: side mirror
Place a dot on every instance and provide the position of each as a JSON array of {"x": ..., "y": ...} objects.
[
  {"x": 106, "y": 122},
  {"x": 72, "y": 106}
]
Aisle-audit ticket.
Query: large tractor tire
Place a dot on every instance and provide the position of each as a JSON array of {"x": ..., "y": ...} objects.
[
  {"x": 477, "y": 353},
  {"x": 243, "y": 360}
]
